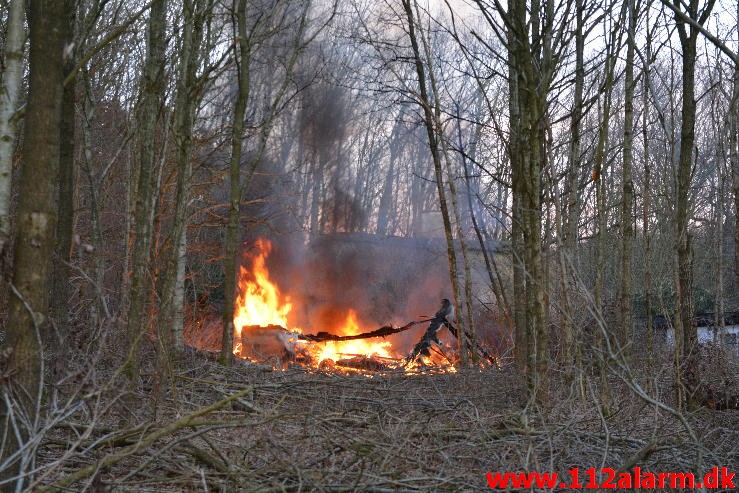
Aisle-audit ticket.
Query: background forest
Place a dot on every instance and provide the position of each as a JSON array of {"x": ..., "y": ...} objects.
[{"x": 565, "y": 172}]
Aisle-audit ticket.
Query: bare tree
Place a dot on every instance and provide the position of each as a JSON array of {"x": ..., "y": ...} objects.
[
  {"x": 627, "y": 205},
  {"x": 194, "y": 13},
  {"x": 15, "y": 40},
  {"x": 254, "y": 30},
  {"x": 149, "y": 111},
  {"x": 685, "y": 331},
  {"x": 533, "y": 60},
  {"x": 734, "y": 158},
  {"x": 28, "y": 324},
  {"x": 568, "y": 249},
  {"x": 433, "y": 138},
  {"x": 231, "y": 244}
]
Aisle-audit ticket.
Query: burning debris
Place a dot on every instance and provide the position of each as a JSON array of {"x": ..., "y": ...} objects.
[
  {"x": 422, "y": 348},
  {"x": 262, "y": 321},
  {"x": 361, "y": 362},
  {"x": 263, "y": 343},
  {"x": 275, "y": 341}
]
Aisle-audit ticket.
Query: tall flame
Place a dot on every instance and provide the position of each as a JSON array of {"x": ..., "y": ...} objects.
[{"x": 259, "y": 301}]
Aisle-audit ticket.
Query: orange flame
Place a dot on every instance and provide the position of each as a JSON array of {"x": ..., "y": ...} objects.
[
  {"x": 364, "y": 347},
  {"x": 260, "y": 303}
]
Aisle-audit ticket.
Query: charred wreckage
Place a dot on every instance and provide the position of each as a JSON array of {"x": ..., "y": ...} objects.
[{"x": 285, "y": 346}]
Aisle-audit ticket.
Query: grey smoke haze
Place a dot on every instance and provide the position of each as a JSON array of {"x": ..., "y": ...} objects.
[
  {"x": 337, "y": 266},
  {"x": 386, "y": 280}
]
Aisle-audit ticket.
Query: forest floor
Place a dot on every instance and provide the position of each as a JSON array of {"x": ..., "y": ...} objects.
[{"x": 251, "y": 428}]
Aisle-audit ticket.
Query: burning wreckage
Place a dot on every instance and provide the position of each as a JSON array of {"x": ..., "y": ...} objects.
[{"x": 262, "y": 333}]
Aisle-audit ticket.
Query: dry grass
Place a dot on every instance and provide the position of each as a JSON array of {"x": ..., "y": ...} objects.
[{"x": 298, "y": 431}]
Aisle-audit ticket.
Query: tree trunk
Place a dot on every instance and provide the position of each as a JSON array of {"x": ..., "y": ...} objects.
[
  {"x": 647, "y": 197},
  {"x": 94, "y": 182},
  {"x": 598, "y": 176},
  {"x": 719, "y": 308},
  {"x": 465, "y": 322},
  {"x": 515, "y": 149},
  {"x": 152, "y": 93},
  {"x": 387, "y": 197},
  {"x": 491, "y": 267},
  {"x": 627, "y": 204},
  {"x": 734, "y": 157},
  {"x": 65, "y": 209},
  {"x": 171, "y": 313},
  {"x": 686, "y": 334},
  {"x": 531, "y": 71},
  {"x": 232, "y": 227},
  {"x": 27, "y": 325},
  {"x": 431, "y": 133},
  {"x": 15, "y": 39},
  {"x": 568, "y": 252},
  {"x": 238, "y": 189}
]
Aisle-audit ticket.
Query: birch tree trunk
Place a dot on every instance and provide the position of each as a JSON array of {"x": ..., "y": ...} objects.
[{"x": 15, "y": 39}]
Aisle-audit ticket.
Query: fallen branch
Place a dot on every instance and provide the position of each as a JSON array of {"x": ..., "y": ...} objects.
[
  {"x": 381, "y": 332},
  {"x": 111, "y": 459}
]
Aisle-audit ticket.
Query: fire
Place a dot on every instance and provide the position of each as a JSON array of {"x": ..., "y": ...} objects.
[
  {"x": 260, "y": 303},
  {"x": 364, "y": 347},
  {"x": 265, "y": 311}
]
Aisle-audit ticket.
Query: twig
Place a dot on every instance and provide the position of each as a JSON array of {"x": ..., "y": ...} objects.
[{"x": 144, "y": 442}]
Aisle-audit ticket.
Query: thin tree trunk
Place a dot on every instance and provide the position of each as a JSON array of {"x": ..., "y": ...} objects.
[
  {"x": 720, "y": 327},
  {"x": 232, "y": 227},
  {"x": 431, "y": 133},
  {"x": 488, "y": 257},
  {"x": 646, "y": 201},
  {"x": 15, "y": 39},
  {"x": 151, "y": 98},
  {"x": 171, "y": 312},
  {"x": 627, "y": 204},
  {"x": 94, "y": 182},
  {"x": 27, "y": 325},
  {"x": 686, "y": 334},
  {"x": 734, "y": 157},
  {"x": 467, "y": 327},
  {"x": 387, "y": 197},
  {"x": 515, "y": 149},
  {"x": 568, "y": 250},
  {"x": 599, "y": 172},
  {"x": 531, "y": 90},
  {"x": 65, "y": 208}
]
